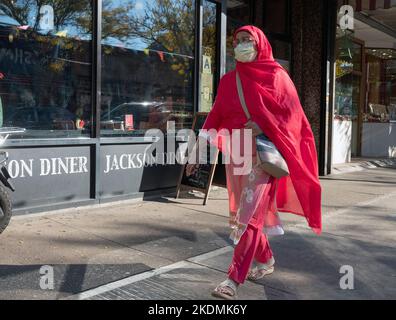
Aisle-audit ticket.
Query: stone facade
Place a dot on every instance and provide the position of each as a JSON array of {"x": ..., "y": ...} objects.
[{"x": 307, "y": 44}]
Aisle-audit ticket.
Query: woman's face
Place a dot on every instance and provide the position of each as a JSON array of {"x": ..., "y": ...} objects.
[
  {"x": 244, "y": 37},
  {"x": 245, "y": 48}
]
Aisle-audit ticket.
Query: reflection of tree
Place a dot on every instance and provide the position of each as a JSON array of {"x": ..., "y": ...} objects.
[
  {"x": 71, "y": 12},
  {"x": 167, "y": 24},
  {"x": 209, "y": 28},
  {"x": 51, "y": 49},
  {"x": 163, "y": 25},
  {"x": 209, "y": 32},
  {"x": 116, "y": 20},
  {"x": 166, "y": 29},
  {"x": 20, "y": 11}
]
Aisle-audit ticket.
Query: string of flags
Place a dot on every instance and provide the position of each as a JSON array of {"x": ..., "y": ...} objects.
[
  {"x": 161, "y": 54},
  {"x": 62, "y": 33},
  {"x": 146, "y": 51},
  {"x": 22, "y": 27}
]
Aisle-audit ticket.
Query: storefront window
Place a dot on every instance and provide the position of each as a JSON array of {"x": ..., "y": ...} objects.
[
  {"x": 381, "y": 82},
  {"x": 208, "y": 63},
  {"x": 147, "y": 65},
  {"x": 45, "y": 67},
  {"x": 357, "y": 56},
  {"x": 282, "y": 52},
  {"x": 276, "y": 16},
  {"x": 276, "y": 27},
  {"x": 347, "y": 87},
  {"x": 238, "y": 15}
]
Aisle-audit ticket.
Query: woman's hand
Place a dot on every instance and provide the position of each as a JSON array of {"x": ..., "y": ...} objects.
[
  {"x": 254, "y": 126},
  {"x": 191, "y": 168}
]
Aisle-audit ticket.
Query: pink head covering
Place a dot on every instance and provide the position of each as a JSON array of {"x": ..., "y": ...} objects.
[{"x": 263, "y": 46}]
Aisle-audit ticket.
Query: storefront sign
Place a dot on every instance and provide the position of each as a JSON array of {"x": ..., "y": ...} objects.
[
  {"x": 124, "y": 161},
  {"x": 206, "y": 85},
  {"x": 129, "y": 169},
  {"x": 23, "y": 168},
  {"x": 44, "y": 176},
  {"x": 206, "y": 64}
]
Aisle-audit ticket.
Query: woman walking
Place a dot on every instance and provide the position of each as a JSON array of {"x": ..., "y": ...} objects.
[{"x": 255, "y": 197}]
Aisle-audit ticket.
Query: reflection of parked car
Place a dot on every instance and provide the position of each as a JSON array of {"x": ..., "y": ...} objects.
[
  {"x": 145, "y": 115},
  {"x": 41, "y": 118}
]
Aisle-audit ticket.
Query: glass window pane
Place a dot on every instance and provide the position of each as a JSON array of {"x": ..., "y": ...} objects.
[
  {"x": 357, "y": 56},
  {"x": 147, "y": 65},
  {"x": 381, "y": 85},
  {"x": 343, "y": 109},
  {"x": 282, "y": 52},
  {"x": 237, "y": 16},
  {"x": 209, "y": 42},
  {"x": 45, "y": 67},
  {"x": 275, "y": 16}
]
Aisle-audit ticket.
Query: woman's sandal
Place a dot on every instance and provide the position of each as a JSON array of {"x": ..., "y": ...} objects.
[
  {"x": 225, "y": 290},
  {"x": 261, "y": 270}
]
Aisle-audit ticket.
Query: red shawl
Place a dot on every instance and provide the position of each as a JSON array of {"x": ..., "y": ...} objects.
[{"x": 274, "y": 105}]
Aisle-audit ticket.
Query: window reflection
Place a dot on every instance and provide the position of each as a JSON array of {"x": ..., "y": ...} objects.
[
  {"x": 381, "y": 85},
  {"x": 282, "y": 52},
  {"x": 147, "y": 65},
  {"x": 209, "y": 40},
  {"x": 238, "y": 15},
  {"x": 348, "y": 98},
  {"x": 275, "y": 16},
  {"x": 45, "y": 67}
]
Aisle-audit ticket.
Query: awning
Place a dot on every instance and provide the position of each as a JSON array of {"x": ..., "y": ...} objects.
[
  {"x": 370, "y": 5},
  {"x": 379, "y": 12}
]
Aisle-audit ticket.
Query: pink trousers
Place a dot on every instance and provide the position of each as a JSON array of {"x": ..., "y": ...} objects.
[{"x": 253, "y": 244}]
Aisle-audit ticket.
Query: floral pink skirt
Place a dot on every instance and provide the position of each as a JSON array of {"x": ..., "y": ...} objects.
[{"x": 248, "y": 193}]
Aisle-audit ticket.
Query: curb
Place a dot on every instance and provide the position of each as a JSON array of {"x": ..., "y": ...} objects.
[{"x": 363, "y": 164}]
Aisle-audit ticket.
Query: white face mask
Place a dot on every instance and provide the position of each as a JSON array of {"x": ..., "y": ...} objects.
[{"x": 245, "y": 52}]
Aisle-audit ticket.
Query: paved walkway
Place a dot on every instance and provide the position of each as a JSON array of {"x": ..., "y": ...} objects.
[{"x": 179, "y": 249}]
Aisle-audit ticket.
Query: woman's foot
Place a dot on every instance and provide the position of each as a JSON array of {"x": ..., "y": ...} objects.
[
  {"x": 226, "y": 290},
  {"x": 261, "y": 270}
]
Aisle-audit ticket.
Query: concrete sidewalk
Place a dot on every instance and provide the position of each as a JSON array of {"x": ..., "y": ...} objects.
[{"x": 179, "y": 249}]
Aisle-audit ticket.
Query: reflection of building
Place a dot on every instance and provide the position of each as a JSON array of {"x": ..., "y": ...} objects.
[
  {"x": 365, "y": 85},
  {"x": 113, "y": 83}
]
